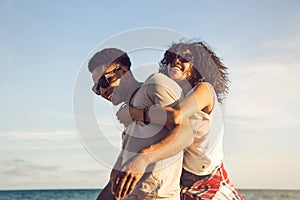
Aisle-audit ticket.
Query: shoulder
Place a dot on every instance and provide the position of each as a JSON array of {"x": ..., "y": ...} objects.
[
  {"x": 159, "y": 83},
  {"x": 161, "y": 80},
  {"x": 205, "y": 93},
  {"x": 204, "y": 87},
  {"x": 158, "y": 77}
]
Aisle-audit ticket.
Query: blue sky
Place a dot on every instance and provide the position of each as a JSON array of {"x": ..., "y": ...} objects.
[{"x": 43, "y": 48}]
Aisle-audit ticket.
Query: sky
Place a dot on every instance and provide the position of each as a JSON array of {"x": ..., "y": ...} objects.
[{"x": 46, "y": 93}]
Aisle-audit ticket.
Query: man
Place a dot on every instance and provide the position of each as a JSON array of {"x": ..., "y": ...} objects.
[{"x": 114, "y": 81}]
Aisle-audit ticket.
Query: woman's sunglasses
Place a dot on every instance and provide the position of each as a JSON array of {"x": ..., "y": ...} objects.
[{"x": 183, "y": 59}]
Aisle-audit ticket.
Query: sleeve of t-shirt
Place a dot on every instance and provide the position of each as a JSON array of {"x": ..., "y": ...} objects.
[{"x": 163, "y": 91}]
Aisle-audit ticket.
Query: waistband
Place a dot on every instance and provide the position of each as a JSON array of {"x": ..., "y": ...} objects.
[{"x": 188, "y": 179}]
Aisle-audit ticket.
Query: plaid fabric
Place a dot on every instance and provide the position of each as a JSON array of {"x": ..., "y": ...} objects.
[{"x": 214, "y": 186}]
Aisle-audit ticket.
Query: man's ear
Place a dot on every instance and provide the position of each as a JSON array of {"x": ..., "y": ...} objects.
[
  {"x": 125, "y": 71},
  {"x": 124, "y": 68}
]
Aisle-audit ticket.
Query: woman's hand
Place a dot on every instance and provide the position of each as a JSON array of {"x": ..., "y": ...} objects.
[
  {"x": 113, "y": 176},
  {"x": 131, "y": 172},
  {"x": 173, "y": 115}
]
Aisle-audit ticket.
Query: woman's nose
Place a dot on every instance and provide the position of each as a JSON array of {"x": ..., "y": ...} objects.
[{"x": 177, "y": 61}]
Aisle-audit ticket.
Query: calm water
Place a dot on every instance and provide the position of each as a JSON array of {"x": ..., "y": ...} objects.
[
  {"x": 92, "y": 194},
  {"x": 271, "y": 194},
  {"x": 49, "y": 194}
]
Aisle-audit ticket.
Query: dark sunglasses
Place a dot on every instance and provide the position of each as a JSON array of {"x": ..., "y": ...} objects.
[
  {"x": 183, "y": 59},
  {"x": 104, "y": 81}
]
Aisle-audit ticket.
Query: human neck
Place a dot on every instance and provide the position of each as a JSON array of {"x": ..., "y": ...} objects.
[
  {"x": 129, "y": 86},
  {"x": 132, "y": 89},
  {"x": 185, "y": 86}
]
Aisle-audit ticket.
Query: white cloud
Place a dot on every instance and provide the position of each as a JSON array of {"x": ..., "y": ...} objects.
[
  {"x": 262, "y": 114},
  {"x": 264, "y": 171},
  {"x": 265, "y": 91},
  {"x": 47, "y": 166},
  {"x": 38, "y": 140},
  {"x": 21, "y": 167},
  {"x": 27, "y": 174},
  {"x": 289, "y": 44}
]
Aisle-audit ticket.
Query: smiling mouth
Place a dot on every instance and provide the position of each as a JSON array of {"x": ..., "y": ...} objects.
[
  {"x": 178, "y": 68},
  {"x": 108, "y": 95}
]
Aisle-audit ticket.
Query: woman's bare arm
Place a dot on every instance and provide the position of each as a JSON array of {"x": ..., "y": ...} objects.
[{"x": 200, "y": 99}]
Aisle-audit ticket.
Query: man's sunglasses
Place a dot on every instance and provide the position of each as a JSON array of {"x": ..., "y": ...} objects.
[{"x": 104, "y": 81}]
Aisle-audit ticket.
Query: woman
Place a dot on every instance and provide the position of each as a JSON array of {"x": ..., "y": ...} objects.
[{"x": 203, "y": 79}]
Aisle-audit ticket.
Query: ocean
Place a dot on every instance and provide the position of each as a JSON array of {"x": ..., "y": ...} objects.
[{"x": 91, "y": 194}]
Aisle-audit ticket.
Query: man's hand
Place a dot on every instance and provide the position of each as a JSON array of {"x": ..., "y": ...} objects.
[
  {"x": 127, "y": 114},
  {"x": 131, "y": 172},
  {"x": 123, "y": 115}
]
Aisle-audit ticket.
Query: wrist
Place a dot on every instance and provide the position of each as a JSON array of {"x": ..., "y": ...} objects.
[
  {"x": 136, "y": 114},
  {"x": 145, "y": 157},
  {"x": 145, "y": 115}
]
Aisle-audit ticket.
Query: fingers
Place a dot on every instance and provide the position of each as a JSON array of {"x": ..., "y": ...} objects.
[
  {"x": 125, "y": 186},
  {"x": 123, "y": 115},
  {"x": 129, "y": 186},
  {"x": 132, "y": 186},
  {"x": 120, "y": 186},
  {"x": 170, "y": 126}
]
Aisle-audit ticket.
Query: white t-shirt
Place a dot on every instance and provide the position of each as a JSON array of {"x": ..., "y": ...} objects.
[
  {"x": 163, "y": 178},
  {"x": 206, "y": 153}
]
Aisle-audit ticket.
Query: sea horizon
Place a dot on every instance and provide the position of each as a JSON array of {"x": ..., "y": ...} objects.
[
  {"x": 92, "y": 193},
  {"x": 18, "y": 189}
]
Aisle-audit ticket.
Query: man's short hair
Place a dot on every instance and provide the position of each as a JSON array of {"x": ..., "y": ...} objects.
[{"x": 109, "y": 56}]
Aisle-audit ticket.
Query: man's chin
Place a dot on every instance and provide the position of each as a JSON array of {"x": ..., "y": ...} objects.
[{"x": 115, "y": 103}]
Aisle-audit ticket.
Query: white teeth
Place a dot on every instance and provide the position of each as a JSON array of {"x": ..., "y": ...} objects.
[
  {"x": 109, "y": 97},
  {"x": 177, "y": 68}
]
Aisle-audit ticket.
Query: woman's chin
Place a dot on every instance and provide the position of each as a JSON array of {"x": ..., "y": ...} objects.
[{"x": 176, "y": 76}]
